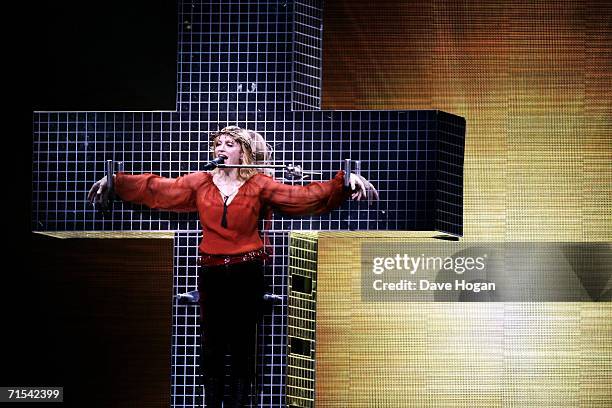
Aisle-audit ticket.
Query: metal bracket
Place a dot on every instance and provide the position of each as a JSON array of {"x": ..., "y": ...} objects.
[
  {"x": 105, "y": 204},
  {"x": 347, "y": 170}
]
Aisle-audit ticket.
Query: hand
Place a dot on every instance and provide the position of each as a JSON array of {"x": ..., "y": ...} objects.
[
  {"x": 362, "y": 188},
  {"x": 98, "y": 190}
]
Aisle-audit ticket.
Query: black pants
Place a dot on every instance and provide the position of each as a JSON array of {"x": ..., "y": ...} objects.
[{"x": 231, "y": 300}]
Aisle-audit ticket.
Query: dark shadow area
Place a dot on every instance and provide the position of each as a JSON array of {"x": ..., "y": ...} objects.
[{"x": 94, "y": 316}]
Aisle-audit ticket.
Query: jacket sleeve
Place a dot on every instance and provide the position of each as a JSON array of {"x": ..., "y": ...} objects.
[
  {"x": 312, "y": 199},
  {"x": 157, "y": 192}
]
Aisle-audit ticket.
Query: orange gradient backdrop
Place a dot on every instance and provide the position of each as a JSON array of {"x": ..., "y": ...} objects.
[{"x": 532, "y": 79}]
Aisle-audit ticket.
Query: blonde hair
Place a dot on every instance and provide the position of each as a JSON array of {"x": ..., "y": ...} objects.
[{"x": 255, "y": 150}]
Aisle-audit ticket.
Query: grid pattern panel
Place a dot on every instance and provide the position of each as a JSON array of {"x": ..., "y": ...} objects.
[
  {"x": 400, "y": 153},
  {"x": 301, "y": 319},
  {"x": 307, "y": 54},
  {"x": 450, "y": 173},
  {"x": 187, "y": 389},
  {"x": 69, "y": 154}
]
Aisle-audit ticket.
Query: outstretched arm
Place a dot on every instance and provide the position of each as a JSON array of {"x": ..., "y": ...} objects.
[
  {"x": 154, "y": 191},
  {"x": 315, "y": 198}
]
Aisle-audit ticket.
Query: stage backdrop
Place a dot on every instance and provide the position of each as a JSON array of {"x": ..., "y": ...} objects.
[{"x": 533, "y": 80}]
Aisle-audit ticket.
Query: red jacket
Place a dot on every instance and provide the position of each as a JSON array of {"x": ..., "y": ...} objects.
[{"x": 197, "y": 192}]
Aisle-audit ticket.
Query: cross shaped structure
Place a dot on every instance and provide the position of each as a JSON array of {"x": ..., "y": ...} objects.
[{"x": 255, "y": 64}]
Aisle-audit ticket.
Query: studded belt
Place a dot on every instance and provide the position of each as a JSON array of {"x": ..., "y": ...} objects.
[{"x": 224, "y": 260}]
